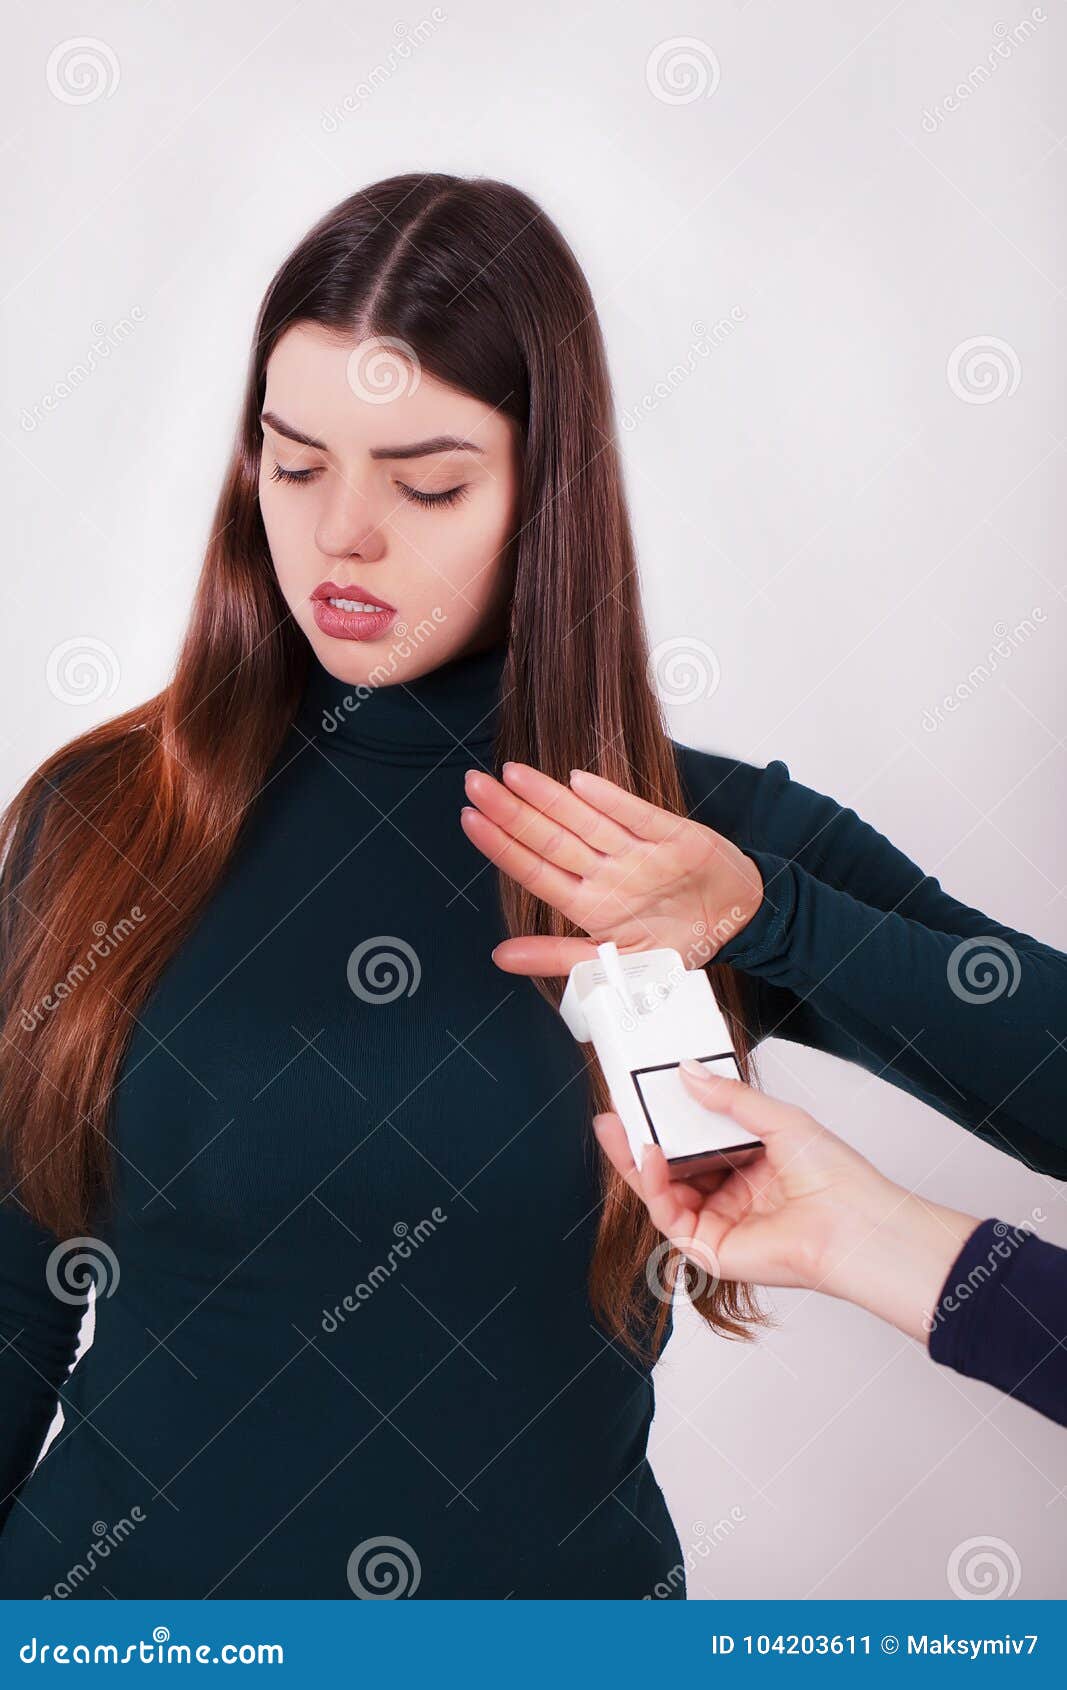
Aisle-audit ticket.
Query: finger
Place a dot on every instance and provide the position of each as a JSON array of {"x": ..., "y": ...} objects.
[
  {"x": 697, "y": 1229},
  {"x": 616, "y": 1146},
  {"x": 553, "y": 885},
  {"x": 542, "y": 954},
  {"x": 564, "y": 806},
  {"x": 612, "y": 1135},
  {"x": 647, "y": 821},
  {"x": 733, "y": 1199},
  {"x": 666, "y": 1208},
  {"x": 708, "y": 1182},
  {"x": 530, "y": 826},
  {"x": 754, "y": 1109}
]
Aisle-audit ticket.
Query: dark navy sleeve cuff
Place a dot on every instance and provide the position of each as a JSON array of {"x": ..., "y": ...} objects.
[
  {"x": 766, "y": 934},
  {"x": 1002, "y": 1316}
]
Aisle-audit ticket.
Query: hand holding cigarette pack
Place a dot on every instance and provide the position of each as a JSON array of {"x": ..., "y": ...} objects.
[{"x": 645, "y": 1013}]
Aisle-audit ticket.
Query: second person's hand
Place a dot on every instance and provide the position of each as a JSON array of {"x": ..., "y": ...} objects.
[{"x": 809, "y": 1212}]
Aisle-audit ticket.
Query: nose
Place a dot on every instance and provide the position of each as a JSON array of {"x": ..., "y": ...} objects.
[{"x": 347, "y": 524}]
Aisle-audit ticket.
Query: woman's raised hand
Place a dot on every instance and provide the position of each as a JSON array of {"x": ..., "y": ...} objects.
[{"x": 615, "y": 865}]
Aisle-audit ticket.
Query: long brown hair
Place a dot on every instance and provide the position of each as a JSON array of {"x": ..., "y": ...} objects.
[{"x": 131, "y": 824}]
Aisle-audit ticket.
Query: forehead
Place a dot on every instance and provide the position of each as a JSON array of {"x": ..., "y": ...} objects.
[{"x": 355, "y": 394}]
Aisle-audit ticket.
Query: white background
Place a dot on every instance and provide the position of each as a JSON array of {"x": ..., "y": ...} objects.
[{"x": 821, "y": 500}]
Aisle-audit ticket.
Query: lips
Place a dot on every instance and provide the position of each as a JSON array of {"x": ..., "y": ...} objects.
[
  {"x": 341, "y": 624},
  {"x": 353, "y": 592}
]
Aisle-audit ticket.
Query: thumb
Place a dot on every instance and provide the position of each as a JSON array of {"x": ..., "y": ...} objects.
[
  {"x": 765, "y": 1116},
  {"x": 541, "y": 954}
]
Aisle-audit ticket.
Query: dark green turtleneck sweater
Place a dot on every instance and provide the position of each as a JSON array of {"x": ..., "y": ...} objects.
[{"x": 357, "y": 1190}]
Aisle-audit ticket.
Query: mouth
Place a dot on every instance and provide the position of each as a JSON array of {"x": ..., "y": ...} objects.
[{"x": 350, "y": 613}]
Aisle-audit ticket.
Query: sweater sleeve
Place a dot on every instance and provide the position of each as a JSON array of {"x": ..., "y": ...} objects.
[
  {"x": 38, "y": 1325},
  {"x": 857, "y": 952},
  {"x": 1002, "y": 1316}
]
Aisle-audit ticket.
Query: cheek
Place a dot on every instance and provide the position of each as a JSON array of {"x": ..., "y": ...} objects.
[
  {"x": 287, "y": 527},
  {"x": 468, "y": 546}
]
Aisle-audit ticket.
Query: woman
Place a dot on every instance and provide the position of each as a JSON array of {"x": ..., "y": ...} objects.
[
  {"x": 984, "y": 1297},
  {"x": 372, "y": 1314}
]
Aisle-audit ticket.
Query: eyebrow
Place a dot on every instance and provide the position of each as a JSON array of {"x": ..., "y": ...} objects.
[{"x": 415, "y": 449}]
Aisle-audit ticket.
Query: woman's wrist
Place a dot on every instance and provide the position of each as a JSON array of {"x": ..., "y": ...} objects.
[
  {"x": 892, "y": 1253},
  {"x": 746, "y": 895}
]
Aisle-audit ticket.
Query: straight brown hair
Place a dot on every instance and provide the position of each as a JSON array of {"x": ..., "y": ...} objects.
[{"x": 144, "y": 811}]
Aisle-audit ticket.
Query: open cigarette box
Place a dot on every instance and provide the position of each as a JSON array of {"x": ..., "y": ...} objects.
[{"x": 644, "y": 1014}]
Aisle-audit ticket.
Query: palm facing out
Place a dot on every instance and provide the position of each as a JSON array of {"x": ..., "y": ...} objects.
[{"x": 614, "y": 865}]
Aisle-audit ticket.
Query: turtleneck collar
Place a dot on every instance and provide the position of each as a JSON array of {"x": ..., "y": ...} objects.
[{"x": 448, "y": 715}]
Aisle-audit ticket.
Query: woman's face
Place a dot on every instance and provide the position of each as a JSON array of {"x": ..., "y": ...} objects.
[{"x": 380, "y": 484}]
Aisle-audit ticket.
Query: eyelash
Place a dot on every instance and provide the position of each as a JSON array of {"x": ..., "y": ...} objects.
[{"x": 451, "y": 497}]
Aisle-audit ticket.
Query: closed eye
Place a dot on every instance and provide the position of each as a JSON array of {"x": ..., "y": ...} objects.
[
  {"x": 280, "y": 474},
  {"x": 450, "y": 496}
]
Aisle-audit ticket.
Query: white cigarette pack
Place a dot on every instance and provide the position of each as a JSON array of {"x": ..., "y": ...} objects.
[{"x": 645, "y": 1012}]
